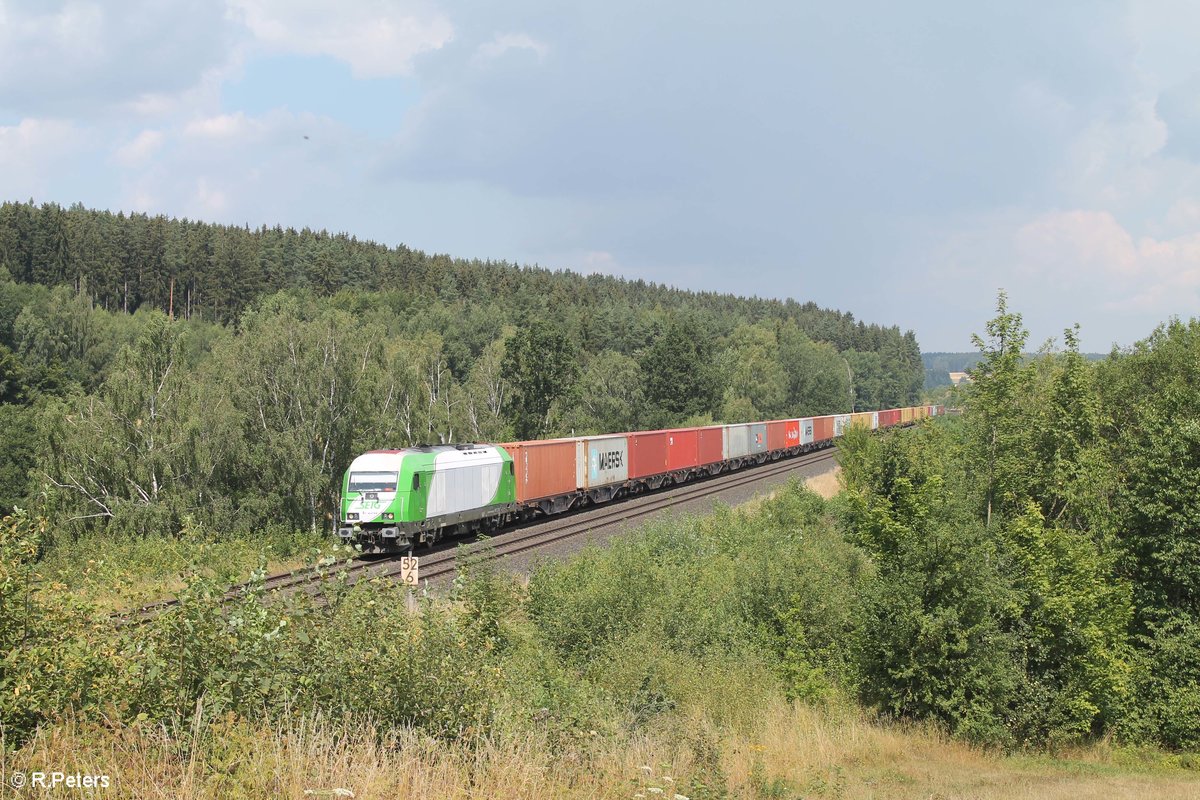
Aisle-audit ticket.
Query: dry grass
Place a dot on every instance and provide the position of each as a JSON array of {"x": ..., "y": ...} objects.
[
  {"x": 791, "y": 752},
  {"x": 827, "y": 484},
  {"x": 844, "y": 754}
]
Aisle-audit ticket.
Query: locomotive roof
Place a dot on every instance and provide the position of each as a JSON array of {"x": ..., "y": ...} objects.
[{"x": 433, "y": 448}]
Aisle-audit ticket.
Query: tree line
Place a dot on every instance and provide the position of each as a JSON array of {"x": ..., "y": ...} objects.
[
  {"x": 195, "y": 269},
  {"x": 154, "y": 371},
  {"x": 1037, "y": 569}
]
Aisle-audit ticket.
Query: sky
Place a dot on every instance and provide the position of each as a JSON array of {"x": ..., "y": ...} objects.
[{"x": 900, "y": 161}]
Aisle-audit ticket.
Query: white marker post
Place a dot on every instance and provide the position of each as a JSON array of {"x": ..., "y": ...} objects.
[
  {"x": 408, "y": 571},
  {"x": 409, "y": 577}
]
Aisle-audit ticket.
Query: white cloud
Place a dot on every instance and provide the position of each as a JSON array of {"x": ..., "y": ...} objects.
[
  {"x": 1091, "y": 251},
  {"x": 1074, "y": 244},
  {"x": 83, "y": 58},
  {"x": 210, "y": 201},
  {"x": 221, "y": 126},
  {"x": 1116, "y": 276},
  {"x": 1184, "y": 213},
  {"x": 376, "y": 38},
  {"x": 501, "y": 43},
  {"x": 18, "y": 141},
  {"x": 140, "y": 149},
  {"x": 30, "y": 152},
  {"x": 597, "y": 261},
  {"x": 238, "y": 168}
]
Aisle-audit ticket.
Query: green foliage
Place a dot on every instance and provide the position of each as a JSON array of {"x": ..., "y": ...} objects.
[
  {"x": 1155, "y": 408},
  {"x": 542, "y": 365},
  {"x": 122, "y": 455},
  {"x": 999, "y": 608},
  {"x": 1166, "y": 685},
  {"x": 932, "y": 642},
  {"x": 707, "y": 612},
  {"x": 998, "y": 422},
  {"x": 756, "y": 383},
  {"x": 609, "y": 397},
  {"x": 13, "y": 377},
  {"x": 703, "y": 638},
  {"x": 1152, "y": 421},
  {"x": 47, "y": 663},
  {"x": 818, "y": 377},
  {"x": 680, "y": 376},
  {"x": 18, "y": 454}
]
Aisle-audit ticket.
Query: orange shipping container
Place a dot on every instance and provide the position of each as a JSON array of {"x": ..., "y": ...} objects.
[
  {"x": 822, "y": 428},
  {"x": 862, "y": 419},
  {"x": 776, "y": 435},
  {"x": 543, "y": 469}
]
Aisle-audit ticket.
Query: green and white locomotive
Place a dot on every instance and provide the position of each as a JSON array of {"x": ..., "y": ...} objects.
[{"x": 393, "y": 500}]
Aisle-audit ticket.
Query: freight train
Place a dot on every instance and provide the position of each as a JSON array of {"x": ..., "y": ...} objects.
[{"x": 393, "y": 500}]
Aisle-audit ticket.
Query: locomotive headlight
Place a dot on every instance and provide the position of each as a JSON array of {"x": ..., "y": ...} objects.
[
  {"x": 352, "y": 515},
  {"x": 389, "y": 515}
]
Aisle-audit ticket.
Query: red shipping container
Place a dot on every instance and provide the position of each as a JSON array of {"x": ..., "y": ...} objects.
[
  {"x": 683, "y": 449},
  {"x": 822, "y": 429},
  {"x": 543, "y": 469},
  {"x": 647, "y": 453},
  {"x": 889, "y": 418},
  {"x": 711, "y": 445},
  {"x": 776, "y": 435},
  {"x": 791, "y": 433}
]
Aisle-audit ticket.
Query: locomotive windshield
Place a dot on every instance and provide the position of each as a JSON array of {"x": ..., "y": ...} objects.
[{"x": 373, "y": 481}]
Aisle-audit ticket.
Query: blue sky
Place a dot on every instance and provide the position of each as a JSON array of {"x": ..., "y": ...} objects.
[{"x": 899, "y": 161}]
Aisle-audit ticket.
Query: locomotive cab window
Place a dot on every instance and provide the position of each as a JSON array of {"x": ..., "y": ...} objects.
[
  {"x": 416, "y": 481},
  {"x": 511, "y": 469},
  {"x": 372, "y": 481}
]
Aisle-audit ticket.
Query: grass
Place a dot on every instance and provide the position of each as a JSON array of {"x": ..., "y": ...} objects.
[
  {"x": 646, "y": 669},
  {"x": 792, "y": 751},
  {"x": 804, "y": 752},
  {"x": 827, "y": 484},
  {"x": 115, "y": 574}
]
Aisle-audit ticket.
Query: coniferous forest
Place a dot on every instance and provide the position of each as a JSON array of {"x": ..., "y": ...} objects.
[{"x": 154, "y": 369}]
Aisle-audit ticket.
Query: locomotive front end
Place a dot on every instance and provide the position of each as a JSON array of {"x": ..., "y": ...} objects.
[{"x": 374, "y": 503}]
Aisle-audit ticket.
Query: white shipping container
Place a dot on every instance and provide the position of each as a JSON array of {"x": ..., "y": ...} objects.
[
  {"x": 736, "y": 441},
  {"x": 806, "y": 430},
  {"x": 601, "y": 460}
]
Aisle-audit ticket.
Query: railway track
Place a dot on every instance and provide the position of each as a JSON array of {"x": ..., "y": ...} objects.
[{"x": 440, "y": 564}]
